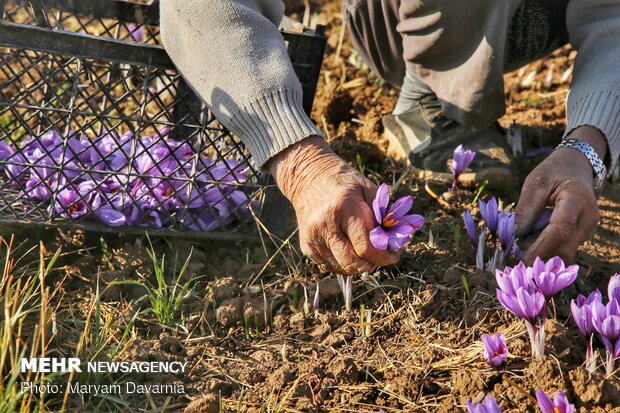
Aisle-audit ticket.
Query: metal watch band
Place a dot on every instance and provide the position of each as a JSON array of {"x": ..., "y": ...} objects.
[{"x": 600, "y": 171}]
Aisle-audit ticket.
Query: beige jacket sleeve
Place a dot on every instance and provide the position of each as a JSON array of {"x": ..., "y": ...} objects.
[
  {"x": 594, "y": 98},
  {"x": 232, "y": 53}
]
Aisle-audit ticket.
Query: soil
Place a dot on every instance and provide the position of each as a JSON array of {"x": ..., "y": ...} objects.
[{"x": 421, "y": 349}]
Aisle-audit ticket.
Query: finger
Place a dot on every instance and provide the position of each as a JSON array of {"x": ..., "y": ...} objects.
[
  {"x": 320, "y": 253},
  {"x": 357, "y": 229},
  {"x": 311, "y": 246},
  {"x": 345, "y": 255},
  {"x": 526, "y": 242},
  {"x": 562, "y": 233},
  {"x": 532, "y": 201}
]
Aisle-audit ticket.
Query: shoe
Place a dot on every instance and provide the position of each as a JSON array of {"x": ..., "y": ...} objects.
[{"x": 426, "y": 140}]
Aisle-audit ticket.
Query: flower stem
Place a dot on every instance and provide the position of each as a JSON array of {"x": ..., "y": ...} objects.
[
  {"x": 610, "y": 364},
  {"x": 537, "y": 338},
  {"x": 590, "y": 356}
]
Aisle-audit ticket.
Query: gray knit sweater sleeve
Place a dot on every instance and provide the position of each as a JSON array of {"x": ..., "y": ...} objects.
[
  {"x": 234, "y": 56},
  {"x": 594, "y": 98}
]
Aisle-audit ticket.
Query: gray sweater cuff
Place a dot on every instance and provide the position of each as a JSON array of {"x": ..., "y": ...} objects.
[
  {"x": 272, "y": 123},
  {"x": 600, "y": 109}
]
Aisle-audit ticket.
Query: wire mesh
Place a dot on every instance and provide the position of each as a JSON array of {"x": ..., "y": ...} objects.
[{"x": 94, "y": 143}]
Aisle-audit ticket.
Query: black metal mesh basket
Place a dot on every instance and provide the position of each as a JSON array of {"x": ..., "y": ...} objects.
[{"x": 99, "y": 131}]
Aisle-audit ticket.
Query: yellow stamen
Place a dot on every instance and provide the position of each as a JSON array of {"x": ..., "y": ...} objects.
[
  {"x": 388, "y": 222},
  {"x": 556, "y": 410}
]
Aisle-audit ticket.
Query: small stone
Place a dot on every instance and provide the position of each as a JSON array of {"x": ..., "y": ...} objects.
[
  {"x": 230, "y": 311},
  {"x": 171, "y": 345},
  {"x": 205, "y": 404},
  {"x": 297, "y": 322},
  {"x": 329, "y": 290},
  {"x": 452, "y": 275},
  {"x": 224, "y": 289},
  {"x": 280, "y": 323}
]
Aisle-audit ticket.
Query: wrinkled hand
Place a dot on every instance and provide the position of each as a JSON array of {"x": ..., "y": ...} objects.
[
  {"x": 332, "y": 202},
  {"x": 565, "y": 181}
]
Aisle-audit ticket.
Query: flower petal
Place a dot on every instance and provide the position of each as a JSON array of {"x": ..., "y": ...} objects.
[
  {"x": 396, "y": 243},
  {"x": 379, "y": 238},
  {"x": 401, "y": 206},
  {"x": 380, "y": 203},
  {"x": 544, "y": 402}
]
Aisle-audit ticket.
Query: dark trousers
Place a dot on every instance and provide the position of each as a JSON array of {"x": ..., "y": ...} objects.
[{"x": 459, "y": 48}]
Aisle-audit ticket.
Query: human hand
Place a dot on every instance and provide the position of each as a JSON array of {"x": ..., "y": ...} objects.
[
  {"x": 565, "y": 181},
  {"x": 332, "y": 202}
]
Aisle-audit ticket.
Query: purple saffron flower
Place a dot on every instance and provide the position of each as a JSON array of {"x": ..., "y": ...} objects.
[
  {"x": 137, "y": 32},
  {"x": 510, "y": 280},
  {"x": 526, "y": 305},
  {"x": 460, "y": 161},
  {"x": 470, "y": 227},
  {"x": 606, "y": 321},
  {"x": 6, "y": 150},
  {"x": 518, "y": 294},
  {"x": 613, "y": 288},
  {"x": 488, "y": 211},
  {"x": 495, "y": 349},
  {"x": 15, "y": 169},
  {"x": 488, "y": 405},
  {"x": 506, "y": 232},
  {"x": 559, "y": 404},
  {"x": 110, "y": 216},
  {"x": 552, "y": 277},
  {"x": 395, "y": 228},
  {"x": 70, "y": 205},
  {"x": 582, "y": 310}
]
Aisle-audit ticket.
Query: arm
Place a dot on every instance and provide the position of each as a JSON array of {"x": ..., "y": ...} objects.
[
  {"x": 233, "y": 55},
  {"x": 564, "y": 179}
]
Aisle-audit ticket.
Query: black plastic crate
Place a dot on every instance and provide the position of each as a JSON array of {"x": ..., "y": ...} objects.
[{"x": 100, "y": 132}]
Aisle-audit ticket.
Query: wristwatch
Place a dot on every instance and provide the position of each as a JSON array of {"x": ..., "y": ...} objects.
[{"x": 600, "y": 171}]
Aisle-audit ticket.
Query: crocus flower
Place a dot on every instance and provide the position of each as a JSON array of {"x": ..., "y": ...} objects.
[
  {"x": 559, "y": 404},
  {"x": 395, "y": 228},
  {"x": 526, "y": 305},
  {"x": 606, "y": 321},
  {"x": 552, "y": 277},
  {"x": 6, "y": 150},
  {"x": 69, "y": 204},
  {"x": 470, "y": 227},
  {"x": 506, "y": 232},
  {"x": 489, "y": 213},
  {"x": 461, "y": 161},
  {"x": 582, "y": 309},
  {"x": 495, "y": 349},
  {"x": 488, "y": 405},
  {"x": 518, "y": 294},
  {"x": 137, "y": 32},
  {"x": 110, "y": 216}
]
